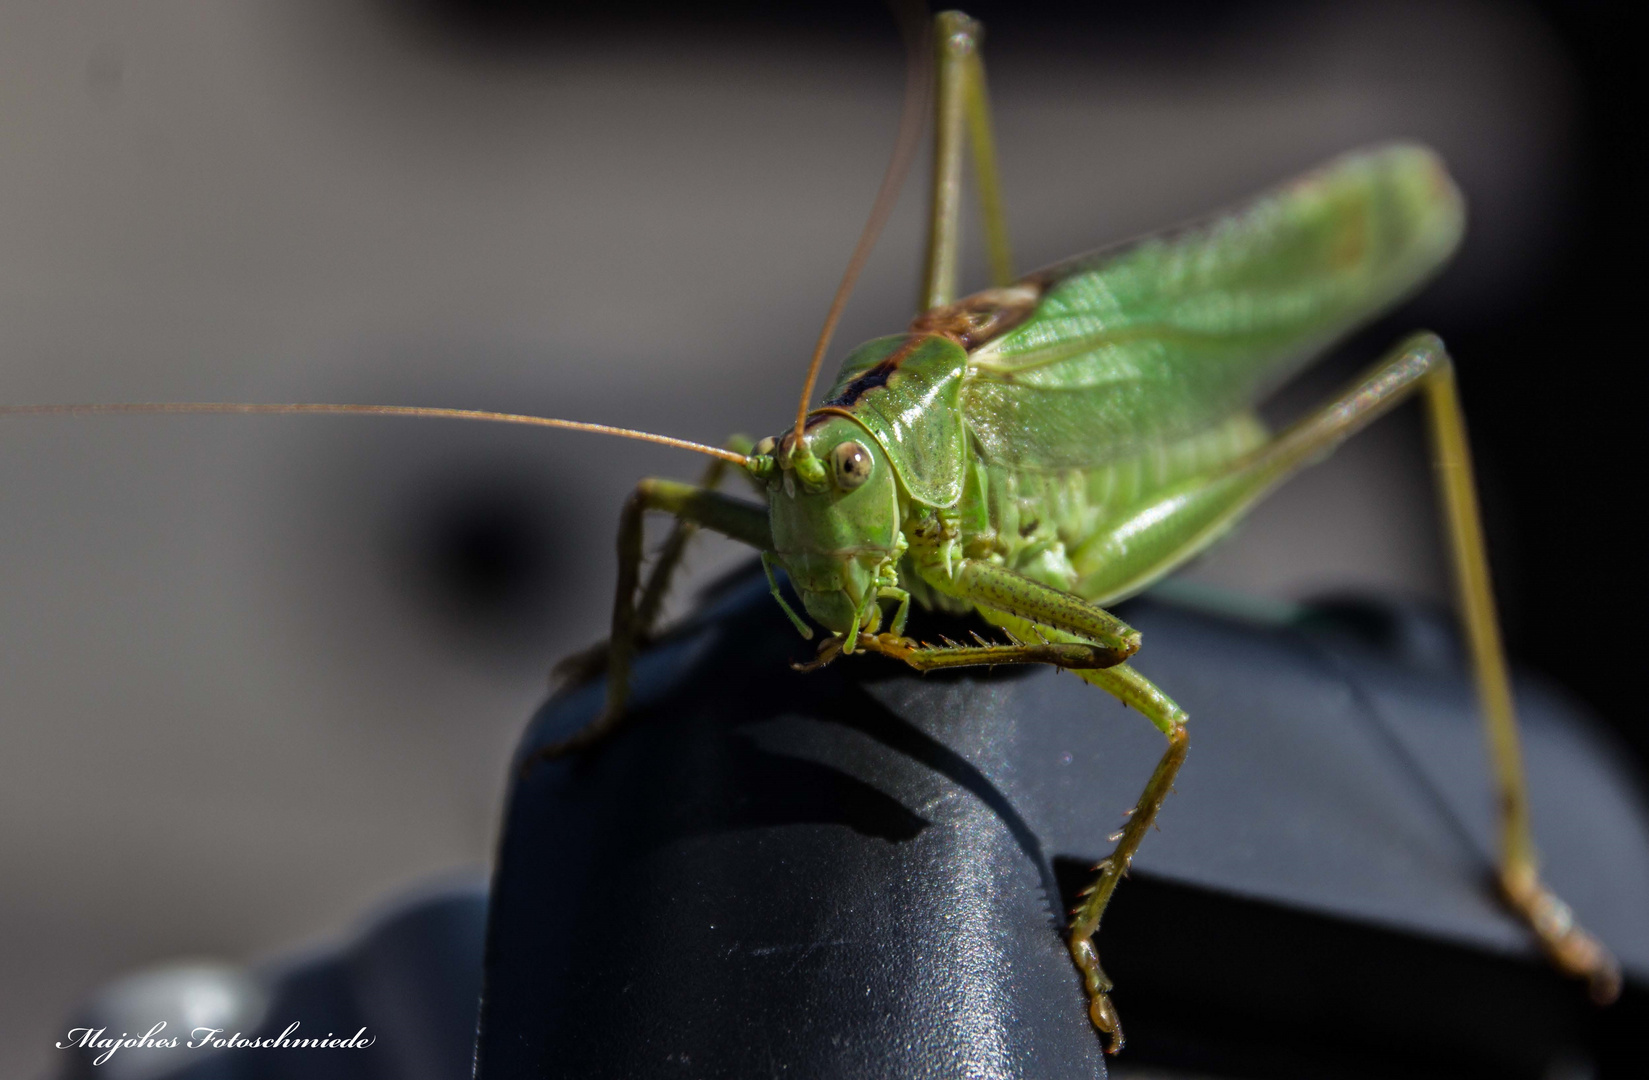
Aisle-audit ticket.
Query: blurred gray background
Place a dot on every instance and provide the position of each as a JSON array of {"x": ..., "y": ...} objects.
[{"x": 260, "y": 673}]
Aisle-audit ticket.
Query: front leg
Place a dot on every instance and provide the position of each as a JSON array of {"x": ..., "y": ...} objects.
[
  {"x": 1029, "y": 604},
  {"x": 1056, "y": 628},
  {"x": 1070, "y": 655},
  {"x": 743, "y": 521},
  {"x": 1129, "y": 687}
]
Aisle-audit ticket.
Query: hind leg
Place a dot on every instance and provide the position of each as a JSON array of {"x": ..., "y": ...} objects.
[{"x": 1189, "y": 516}]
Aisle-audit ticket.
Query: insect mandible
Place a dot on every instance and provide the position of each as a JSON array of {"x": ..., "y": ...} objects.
[{"x": 1054, "y": 444}]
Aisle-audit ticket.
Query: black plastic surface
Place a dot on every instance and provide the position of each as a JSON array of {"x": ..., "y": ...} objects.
[{"x": 858, "y": 872}]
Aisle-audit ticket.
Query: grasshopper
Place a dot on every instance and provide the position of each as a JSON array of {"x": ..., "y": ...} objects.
[{"x": 1054, "y": 444}]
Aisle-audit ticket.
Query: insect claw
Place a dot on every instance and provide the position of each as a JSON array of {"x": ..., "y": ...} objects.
[
  {"x": 829, "y": 649},
  {"x": 581, "y": 667}
]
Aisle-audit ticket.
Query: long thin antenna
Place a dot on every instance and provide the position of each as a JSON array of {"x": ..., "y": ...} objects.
[
  {"x": 367, "y": 410},
  {"x": 918, "y": 82}
]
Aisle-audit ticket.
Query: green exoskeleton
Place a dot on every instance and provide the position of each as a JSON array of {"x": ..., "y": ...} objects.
[{"x": 1058, "y": 442}]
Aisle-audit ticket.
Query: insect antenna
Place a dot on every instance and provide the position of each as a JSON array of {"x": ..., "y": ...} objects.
[
  {"x": 367, "y": 410},
  {"x": 915, "y": 25}
]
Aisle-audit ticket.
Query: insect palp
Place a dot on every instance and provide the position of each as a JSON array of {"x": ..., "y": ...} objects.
[{"x": 773, "y": 586}]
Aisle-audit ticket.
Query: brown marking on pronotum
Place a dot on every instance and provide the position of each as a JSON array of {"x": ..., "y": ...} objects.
[
  {"x": 974, "y": 320},
  {"x": 970, "y": 322},
  {"x": 1350, "y": 243}
]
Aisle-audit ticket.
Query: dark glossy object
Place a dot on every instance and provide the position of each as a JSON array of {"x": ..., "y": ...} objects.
[{"x": 861, "y": 872}]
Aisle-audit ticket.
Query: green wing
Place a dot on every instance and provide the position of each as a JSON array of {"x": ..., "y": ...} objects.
[{"x": 1164, "y": 336}]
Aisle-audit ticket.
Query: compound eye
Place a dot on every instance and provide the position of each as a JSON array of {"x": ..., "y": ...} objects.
[
  {"x": 765, "y": 448},
  {"x": 852, "y": 463}
]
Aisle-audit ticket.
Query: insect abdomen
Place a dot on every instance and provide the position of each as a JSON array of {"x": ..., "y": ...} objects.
[{"x": 1047, "y": 523}]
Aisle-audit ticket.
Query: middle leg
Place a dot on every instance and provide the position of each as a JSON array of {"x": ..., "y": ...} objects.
[
  {"x": 735, "y": 518},
  {"x": 1134, "y": 690},
  {"x": 587, "y": 664}
]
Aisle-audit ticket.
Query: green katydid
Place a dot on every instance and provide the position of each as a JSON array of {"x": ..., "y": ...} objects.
[{"x": 1058, "y": 442}]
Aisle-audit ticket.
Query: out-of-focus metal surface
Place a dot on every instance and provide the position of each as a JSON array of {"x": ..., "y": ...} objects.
[
  {"x": 166, "y": 1009},
  {"x": 399, "y": 994},
  {"x": 258, "y": 671}
]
